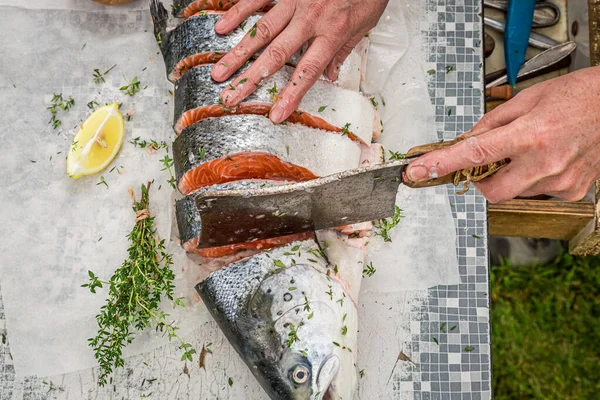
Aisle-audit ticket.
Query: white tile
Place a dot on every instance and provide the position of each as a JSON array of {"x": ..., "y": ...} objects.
[
  {"x": 454, "y": 358},
  {"x": 425, "y": 386},
  {"x": 465, "y": 376}
]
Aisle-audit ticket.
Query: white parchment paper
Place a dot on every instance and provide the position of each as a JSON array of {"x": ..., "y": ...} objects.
[{"x": 54, "y": 228}]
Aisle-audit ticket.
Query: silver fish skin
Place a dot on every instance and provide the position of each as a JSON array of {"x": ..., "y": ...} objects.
[
  {"x": 193, "y": 37},
  {"x": 293, "y": 325},
  {"x": 336, "y": 106},
  {"x": 322, "y": 152}
]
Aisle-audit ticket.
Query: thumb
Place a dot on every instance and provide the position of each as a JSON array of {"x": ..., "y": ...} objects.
[{"x": 474, "y": 151}]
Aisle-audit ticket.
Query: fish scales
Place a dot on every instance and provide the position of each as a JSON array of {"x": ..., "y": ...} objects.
[
  {"x": 324, "y": 153},
  {"x": 325, "y": 105},
  {"x": 281, "y": 312}
]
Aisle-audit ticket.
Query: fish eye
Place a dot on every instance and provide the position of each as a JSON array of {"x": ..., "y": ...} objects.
[{"x": 300, "y": 374}]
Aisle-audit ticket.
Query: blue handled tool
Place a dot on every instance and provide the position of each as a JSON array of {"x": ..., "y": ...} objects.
[{"x": 519, "y": 18}]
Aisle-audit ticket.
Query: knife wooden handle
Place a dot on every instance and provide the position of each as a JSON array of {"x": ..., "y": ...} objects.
[{"x": 468, "y": 175}]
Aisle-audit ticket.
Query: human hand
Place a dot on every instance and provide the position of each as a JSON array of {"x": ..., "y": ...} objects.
[
  {"x": 550, "y": 132},
  {"x": 332, "y": 27}
]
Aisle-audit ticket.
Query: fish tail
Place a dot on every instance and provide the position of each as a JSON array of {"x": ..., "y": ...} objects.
[{"x": 160, "y": 17}]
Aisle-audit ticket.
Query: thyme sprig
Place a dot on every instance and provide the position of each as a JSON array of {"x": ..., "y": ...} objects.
[
  {"x": 99, "y": 76},
  {"x": 134, "y": 294},
  {"x": 168, "y": 163},
  {"x": 132, "y": 87},
  {"x": 57, "y": 103},
  {"x": 386, "y": 225}
]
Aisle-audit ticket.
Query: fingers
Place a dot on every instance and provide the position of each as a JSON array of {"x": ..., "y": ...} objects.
[
  {"x": 504, "y": 114},
  {"x": 508, "y": 183},
  {"x": 333, "y": 69},
  {"x": 270, "y": 61},
  {"x": 309, "y": 70},
  {"x": 237, "y": 14},
  {"x": 486, "y": 148},
  {"x": 265, "y": 32}
]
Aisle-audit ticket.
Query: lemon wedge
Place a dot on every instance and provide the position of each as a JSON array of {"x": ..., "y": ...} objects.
[{"x": 97, "y": 142}]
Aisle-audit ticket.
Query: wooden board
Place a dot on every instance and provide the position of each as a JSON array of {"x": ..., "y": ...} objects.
[{"x": 539, "y": 218}]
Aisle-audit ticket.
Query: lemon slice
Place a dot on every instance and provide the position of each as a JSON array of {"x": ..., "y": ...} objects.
[{"x": 97, "y": 142}]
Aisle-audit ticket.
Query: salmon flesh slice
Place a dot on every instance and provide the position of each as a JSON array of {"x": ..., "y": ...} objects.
[
  {"x": 325, "y": 106},
  {"x": 311, "y": 152}
]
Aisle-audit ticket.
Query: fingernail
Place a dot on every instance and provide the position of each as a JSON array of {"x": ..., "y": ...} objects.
[
  {"x": 217, "y": 71},
  {"x": 276, "y": 113},
  {"x": 417, "y": 173},
  {"x": 220, "y": 23}
]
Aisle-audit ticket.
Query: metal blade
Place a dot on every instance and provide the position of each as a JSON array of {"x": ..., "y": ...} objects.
[{"x": 239, "y": 216}]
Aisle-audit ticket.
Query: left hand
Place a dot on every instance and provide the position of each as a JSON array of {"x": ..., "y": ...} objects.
[
  {"x": 333, "y": 27},
  {"x": 550, "y": 132}
]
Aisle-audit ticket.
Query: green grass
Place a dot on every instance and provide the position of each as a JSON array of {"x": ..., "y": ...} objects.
[{"x": 546, "y": 330}]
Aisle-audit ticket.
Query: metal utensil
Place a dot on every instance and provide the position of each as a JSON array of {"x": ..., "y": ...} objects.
[
  {"x": 545, "y": 14},
  {"x": 535, "y": 39},
  {"x": 541, "y": 61}
]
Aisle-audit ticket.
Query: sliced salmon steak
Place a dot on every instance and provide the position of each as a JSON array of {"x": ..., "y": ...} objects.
[
  {"x": 240, "y": 166},
  {"x": 325, "y": 106},
  {"x": 320, "y": 152}
]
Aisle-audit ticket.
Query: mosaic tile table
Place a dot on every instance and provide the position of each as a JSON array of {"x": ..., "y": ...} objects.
[{"x": 450, "y": 331}]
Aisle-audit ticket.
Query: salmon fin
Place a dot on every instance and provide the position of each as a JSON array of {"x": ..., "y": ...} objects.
[{"x": 160, "y": 18}]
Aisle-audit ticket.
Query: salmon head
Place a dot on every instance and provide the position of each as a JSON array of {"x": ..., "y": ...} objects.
[{"x": 290, "y": 320}]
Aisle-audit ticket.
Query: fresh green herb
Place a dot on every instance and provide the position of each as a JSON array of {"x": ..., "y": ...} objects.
[
  {"x": 344, "y": 330},
  {"x": 396, "y": 155},
  {"x": 443, "y": 327},
  {"x": 231, "y": 87},
  {"x": 335, "y": 269},
  {"x": 330, "y": 292},
  {"x": 168, "y": 163},
  {"x": 341, "y": 301},
  {"x": 435, "y": 340},
  {"x": 453, "y": 328},
  {"x": 273, "y": 92},
  {"x": 83, "y": 47},
  {"x": 253, "y": 31},
  {"x": 152, "y": 144},
  {"x": 373, "y": 101},
  {"x": 177, "y": 8},
  {"x": 208, "y": 348},
  {"x": 92, "y": 104},
  {"x": 287, "y": 149},
  {"x": 296, "y": 248},
  {"x": 102, "y": 182},
  {"x": 449, "y": 112},
  {"x": 369, "y": 270},
  {"x": 100, "y": 238},
  {"x": 312, "y": 314},
  {"x": 306, "y": 304},
  {"x": 344, "y": 317},
  {"x": 220, "y": 4},
  {"x": 279, "y": 263},
  {"x": 293, "y": 334},
  {"x": 135, "y": 292},
  {"x": 243, "y": 81},
  {"x": 292, "y": 288},
  {"x": 476, "y": 236},
  {"x": 431, "y": 71},
  {"x": 159, "y": 38},
  {"x": 303, "y": 352},
  {"x": 132, "y": 87},
  {"x": 57, "y": 103},
  {"x": 99, "y": 76},
  {"x": 386, "y": 225},
  {"x": 346, "y": 129},
  {"x": 230, "y": 382},
  {"x": 74, "y": 145},
  {"x": 361, "y": 373},
  {"x": 201, "y": 153},
  {"x": 469, "y": 348},
  {"x": 449, "y": 69},
  {"x": 243, "y": 25},
  {"x": 322, "y": 108}
]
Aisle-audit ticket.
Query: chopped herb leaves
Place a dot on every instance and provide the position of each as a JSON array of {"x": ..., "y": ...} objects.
[
  {"x": 386, "y": 225},
  {"x": 132, "y": 87},
  {"x": 369, "y": 270}
]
